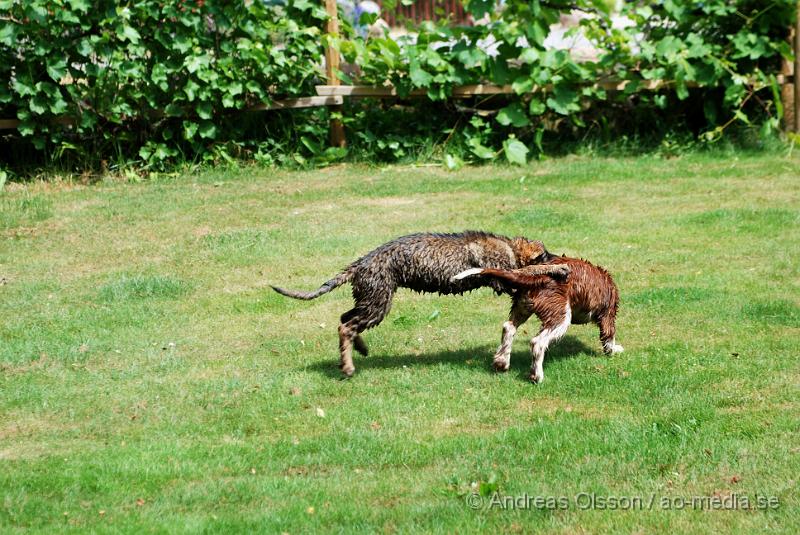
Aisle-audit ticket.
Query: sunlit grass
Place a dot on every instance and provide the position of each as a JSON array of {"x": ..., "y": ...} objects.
[{"x": 151, "y": 381}]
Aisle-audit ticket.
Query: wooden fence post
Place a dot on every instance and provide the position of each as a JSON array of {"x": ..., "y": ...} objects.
[
  {"x": 796, "y": 78},
  {"x": 331, "y": 66},
  {"x": 787, "y": 86}
]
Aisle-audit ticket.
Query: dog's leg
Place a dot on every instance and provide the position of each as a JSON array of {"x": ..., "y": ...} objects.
[
  {"x": 360, "y": 345},
  {"x": 367, "y": 314},
  {"x": 552, "y": 329},
  {"x": 555, "y": 270},
  {"x": 346, "y": 335},
  {"x": 608, "y": 331},
  {"x": 519, "y": 315}
]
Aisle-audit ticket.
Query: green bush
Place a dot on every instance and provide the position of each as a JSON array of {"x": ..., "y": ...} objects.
[
  {"x": 161, "y": 81},
  {"x": 727, "y": 50},
  {"x": 151, "y": 77}
]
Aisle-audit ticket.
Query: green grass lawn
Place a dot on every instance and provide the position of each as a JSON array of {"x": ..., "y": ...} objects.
[{"x": 150, "y": 381}]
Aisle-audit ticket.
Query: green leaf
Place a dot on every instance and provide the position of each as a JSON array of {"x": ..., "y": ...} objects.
[
  {"x": 88, "y": 120},
  {"x": 190, "y": 89},
  {"x": 740, "y": 115},
  {"x": 536, "y": 106},
  {"x": 182, "y": 43},
  {"x": 530, "y": 55},
  {"x": 79, "y": 5},
  {"x": 564, "y": 100},
  {"x": 163, "y": 152},
  {"x": 513, "y": 115},
  {"x": 367, "y": 19},
  {"x": 8, "y": 34},
  {"x": 204, "y": 110},
  {"x": 681, "y": 88},
  {"x": 516, "y": 151},
  {"x": 523, "y": 84},
  {"x": 479, "y": 150},
  {"x": 57, "y": 69},
  {"x": 776, "y": 97},
  {"x": 471, "y": 56},
  {"x": 452, "y": 163},
  {"x": 479, "y": 8},
  {"x": 254, "y": 87},
  {"x": 499, "y": 70},
  {"x": 207, "y": 130},
  {"x": 38, "y": 104},
  {"x": 58, "y": 105},
  {"x": 537, "y": 31},
  {"x": 173, "y": 110},
  {"x": 130, "y": 34},
  {"x": 23, "y": 86},
  {"x": 333, "y": 154},
  {"x": 235, "y": 88},
  {"x": 314, "y": 147},
  {"x": 419, "y": 77},
  {"x": 26, "y": 128},
  {"x": 85, "y": 47},
  {"x": 669, "y": 47},
  {"x": 189, "y": 129},
  {"x": 194, "y": 63},
  {"x": 145, "y": 152}
]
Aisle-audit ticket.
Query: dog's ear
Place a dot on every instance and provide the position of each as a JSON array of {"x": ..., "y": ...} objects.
[{"x": 542, "y": 254}]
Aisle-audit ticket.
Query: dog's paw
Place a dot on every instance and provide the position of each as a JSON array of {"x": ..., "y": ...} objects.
[
  {"x": 612, "y": 348},
  {"x": 347, "y": 370},
  {"x": 536, "y": 378},
  {"x": 501, "y": 365},
  {"x": 561, "y": 271}
]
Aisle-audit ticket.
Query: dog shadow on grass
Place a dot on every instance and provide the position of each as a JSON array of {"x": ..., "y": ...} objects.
[{"x": 478, "y": 358}]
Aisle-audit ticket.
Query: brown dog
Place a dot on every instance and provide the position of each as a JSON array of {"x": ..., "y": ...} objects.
[{"x": 588, "y": 294}]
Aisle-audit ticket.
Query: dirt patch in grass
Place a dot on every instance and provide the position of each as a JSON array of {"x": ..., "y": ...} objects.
[
  {"x": 26, "y": 436},
  {"x": 388, "y": 201},
  {"x": 43, "y": 362},
  {"x": 549, "y": 406}
]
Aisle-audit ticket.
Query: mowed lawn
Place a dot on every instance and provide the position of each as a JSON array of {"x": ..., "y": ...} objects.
[{"x": 151, "y": 381}]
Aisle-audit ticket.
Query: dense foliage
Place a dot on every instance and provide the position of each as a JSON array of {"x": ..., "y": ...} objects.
[
  {"x": 161, "y": 81},
  {"x": 156, "y": 77}
]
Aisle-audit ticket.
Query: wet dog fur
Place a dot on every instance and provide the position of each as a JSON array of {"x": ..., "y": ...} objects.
[
  {"x": 425, "y": 262},
  {"x": 588, "y": 294}
]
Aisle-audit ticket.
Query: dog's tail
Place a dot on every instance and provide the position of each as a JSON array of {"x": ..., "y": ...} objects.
[
  {"x": 514, "y": 277},
  {"x": 332, "y": 284}
]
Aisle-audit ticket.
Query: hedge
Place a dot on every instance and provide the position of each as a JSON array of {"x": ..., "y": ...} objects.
[{"x": 159, "y": 80}]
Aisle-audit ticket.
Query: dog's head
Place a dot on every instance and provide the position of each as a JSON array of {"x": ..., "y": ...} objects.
[
  {"x": 534, "y": 252},
  {"x": 531, "y": 252}
]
